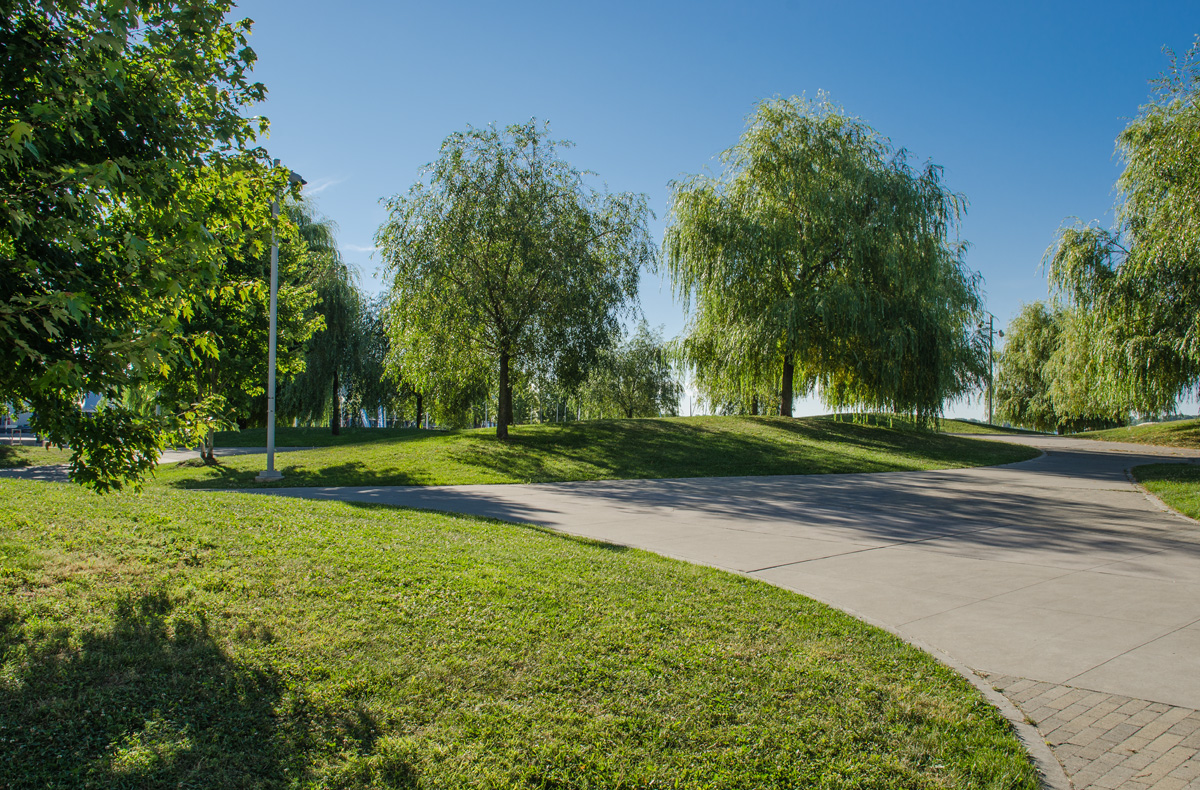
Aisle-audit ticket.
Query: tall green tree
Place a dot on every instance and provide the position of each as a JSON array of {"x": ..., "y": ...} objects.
[
  {"x": 635, "y": 378},
  {"x": 332, "y": 354},
  {"x": 1023, "y": 380},
  {"x": 371, "y": 387},
  {"x": 505, "y": 262},
  {"x": 109, "y": 228},
  {"x": 1042, "y": 382},
  {"x": 1137, "y": 285},
  {"x": 233, "y": 317},
  {"x": 819, "y": 257}
]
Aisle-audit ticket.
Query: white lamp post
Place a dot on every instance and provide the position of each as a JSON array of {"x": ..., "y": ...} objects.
[{"x": 271, "y": 473}]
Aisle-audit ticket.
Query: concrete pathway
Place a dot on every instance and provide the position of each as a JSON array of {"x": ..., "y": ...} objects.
[
  {"x": 1057, "y": 570},
  {"x": 57, "y": 473}
]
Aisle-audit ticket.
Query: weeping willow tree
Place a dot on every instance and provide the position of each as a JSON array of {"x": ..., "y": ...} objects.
[
  {"x": 1136, "y": 286},
  {"x": 332, "y": 354},
  {"x": 819, "y": 258},
  {"x": 507, "y": 266}
]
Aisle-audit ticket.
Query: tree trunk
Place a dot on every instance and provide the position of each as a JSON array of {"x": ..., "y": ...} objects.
[
  {"x": 754, "y": 406},
  {"x": 785, "y": 400},
  {"x": 335, "y": 424},
  {"x": 420, "y": 410},
  {"x": 504, "y": 415}
]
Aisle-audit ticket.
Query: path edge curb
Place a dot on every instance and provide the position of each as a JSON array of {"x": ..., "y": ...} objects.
[{"x": 1155, "y": 499}]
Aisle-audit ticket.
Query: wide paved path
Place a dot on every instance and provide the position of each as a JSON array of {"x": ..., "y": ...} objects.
[{"x": 1057, "y": 576}]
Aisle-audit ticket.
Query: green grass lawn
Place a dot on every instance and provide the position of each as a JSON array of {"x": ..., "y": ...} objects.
[
  {"x": 610, "y": 449},
  {"x": 944, "y": 426},
  {"x": 1176, "y": 484},
  {"x": 18, "y": 456},
  {"x": 1178, "y": 433},
  {"x": 982, "y": 428},
  {"x": 312, "y": 437},
  {"x": 201, "y": 639}
]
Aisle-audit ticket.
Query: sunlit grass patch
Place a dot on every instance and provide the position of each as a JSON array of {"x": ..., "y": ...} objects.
[
  {"x": 185, "y": 638},
  {"x": 609, "y": 449}
]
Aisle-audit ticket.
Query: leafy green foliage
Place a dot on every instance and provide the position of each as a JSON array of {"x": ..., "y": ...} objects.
[
  {"x": 332, "y": 352},
  {"x": 820, "y": 257},
  {"x": 507, "y": 265},
  {"x": 605, "y": 450},
  {"x": 1040, "y": 384},
  {"x": 1022, "y": 382},
  {"x": 183, "y": 638},
  {"x": 634, "y": 379},
  {"x": 234, "y": 315},
  {"x": 118, "y": 120},
  {"x": 1137, "y": 286}
]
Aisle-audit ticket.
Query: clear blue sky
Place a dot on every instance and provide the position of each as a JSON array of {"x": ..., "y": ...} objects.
[{"x": 1019, "y": 102}]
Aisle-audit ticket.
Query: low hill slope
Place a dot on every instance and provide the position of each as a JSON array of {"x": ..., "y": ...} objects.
[
  {"x": 1178, "y": 433},
  {"x": 603, "y": 450}
]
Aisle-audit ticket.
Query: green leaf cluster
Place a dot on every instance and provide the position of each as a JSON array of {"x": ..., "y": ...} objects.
[
  {"x": 119, "y": 119},
  {"x": 634, "y": 379},
  {"x": 1039, "y": 384},
  {"x": 507, "y": 266},
  {"x": 1136, "y": 286},
  {"x": 819, "y": 257}
]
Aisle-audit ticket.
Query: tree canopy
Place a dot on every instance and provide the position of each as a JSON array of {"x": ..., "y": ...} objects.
[
  {"x": 819, "y": 257},
  {"x": 634, "y": 378},
  {"x": 506, "y": 263},
  {"x": 1136, "y": 286},
  {"x": 123, "y": 143},
  {"x": 1040, "y": 383},
  {"x": 1023, "y": 380},
  {"x": 332, "y": 352},
  {"x": 233, "y": 315}
]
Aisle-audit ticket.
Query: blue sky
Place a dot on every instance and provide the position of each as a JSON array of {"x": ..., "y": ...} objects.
[{"x": 1019, "y": 102}]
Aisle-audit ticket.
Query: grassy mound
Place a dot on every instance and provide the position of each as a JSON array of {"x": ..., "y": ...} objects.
[
  {"x": 982, "y": 428},
  {"x": 21, "y": 456},
  {"x": 609, "y": 449},
  {"x": 1178, "y": 433},
  {"x": 182, "y": 639},
  {"x": 1176, "y": 484},
  {"x": 944, "y": 426}
]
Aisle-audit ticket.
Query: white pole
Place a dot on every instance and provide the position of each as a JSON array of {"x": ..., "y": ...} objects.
[{"x": 270, "y": 473}]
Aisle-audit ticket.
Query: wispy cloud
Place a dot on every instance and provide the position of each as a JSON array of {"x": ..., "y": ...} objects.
[
  {"x": 357, "y": 248},
  {"x": 320, "y": 185}
]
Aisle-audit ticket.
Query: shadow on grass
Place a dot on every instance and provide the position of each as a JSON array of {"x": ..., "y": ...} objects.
[
  {"x": 154, "y": 701},
  {"x": 219, "y": 475},
  {"x": 320, "y": 437},
  {"x": 737, "y": 446}
]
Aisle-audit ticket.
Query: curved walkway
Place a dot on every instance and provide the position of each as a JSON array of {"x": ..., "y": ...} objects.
[{"x": 1057, "y": 578}]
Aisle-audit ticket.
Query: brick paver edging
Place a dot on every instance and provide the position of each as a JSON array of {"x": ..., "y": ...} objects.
[{"x": 1109, "y": 741}]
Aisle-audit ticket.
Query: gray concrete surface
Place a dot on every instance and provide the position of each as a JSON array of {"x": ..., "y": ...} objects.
[{"x": 57, "y": 473}]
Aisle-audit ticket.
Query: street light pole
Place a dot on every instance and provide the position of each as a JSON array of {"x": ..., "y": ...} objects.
[
  {"x": 991, "y": 361},
  {"x": 992, "y": 333},
  {"x": 271, "y": 473}
]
